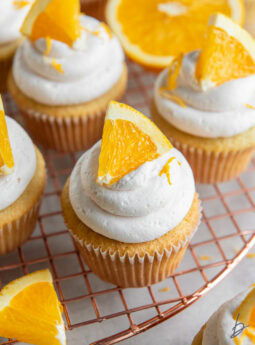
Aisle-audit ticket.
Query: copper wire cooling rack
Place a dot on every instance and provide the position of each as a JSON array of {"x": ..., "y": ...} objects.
[{"x": 226, "y": 233}]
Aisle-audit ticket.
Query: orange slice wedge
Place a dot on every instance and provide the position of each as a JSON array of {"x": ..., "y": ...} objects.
[
  {"x": 56, "y": 19},
  {"x": 154, "y": 31},
  {"x": 228, "y": 53},
  {"x": 6, "y": 157},
  {"x": 30, "y": 310},
  {"x": 129, "y": 140}
]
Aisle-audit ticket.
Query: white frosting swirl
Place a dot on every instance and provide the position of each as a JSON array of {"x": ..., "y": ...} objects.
[
  {"x": 91, "y": 67},
  {"x": 11, "y": 19},
  {"x": 219, "y": 328},
  {"x": 217, "y": 112},
  {"x": 13, "y": 185},
  {"x": 140, "y": 207}
]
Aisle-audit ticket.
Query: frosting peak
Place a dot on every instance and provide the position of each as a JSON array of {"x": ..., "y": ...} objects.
[
  {"x": 221, "y": 111},
  {"x": 89, "y": 68},
  {"x": 141, "y": 206}
]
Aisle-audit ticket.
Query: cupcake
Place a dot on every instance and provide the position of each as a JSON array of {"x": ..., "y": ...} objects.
[
  {"x": 12, "y": 14},
  {"x": 233, "y": 323},
  {"x": 22, "y": 181},
  {"x": 130, "y": 203},
  {"x": 204, "y": 103},
  {"x": 63, "y": 79}
]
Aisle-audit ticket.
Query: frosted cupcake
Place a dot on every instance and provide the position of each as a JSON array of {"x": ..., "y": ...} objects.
[
  {"x": 62, "y": 88},
  {"x": 205, "y": 103},
  {"x": 12, "y": 14},
  {"x": 130, "y": 203},
  {"x": 233, "y": 323},
  {"x": 22, "y": 181}
]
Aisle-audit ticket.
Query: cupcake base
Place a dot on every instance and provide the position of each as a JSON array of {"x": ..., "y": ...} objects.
[
  {"x": 131, "y": 264},
  {"x": 66, "y": 128},
  {"x": 17, "y": 221},
  {"x": 211, "y": 159}
]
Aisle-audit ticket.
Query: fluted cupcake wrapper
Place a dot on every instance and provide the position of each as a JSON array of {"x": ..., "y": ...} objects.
[
  {"x": 135, "y": 271},
  {"x": 64, "y": 134},
  {"x": 213, "y": 167},
  {"x": 14, "y": 234}
]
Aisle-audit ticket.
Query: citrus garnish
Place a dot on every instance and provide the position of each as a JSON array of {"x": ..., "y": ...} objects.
[
  {"x": 245, "y": 314},
  {"x": 30, "y": 310},
  {"x": 154, "y": 32},
  {"x": 166, "y": 169},
  {"x": 6, "y": 157},
  {"x": 228, "y": 53},
  {"x": 21, "y": 3},
  {"x": 56, "y": 19},
  {"x": 129, "y": 140},
  {"x": 57, "y": 66},
  {"x": 48, "y": 45}
]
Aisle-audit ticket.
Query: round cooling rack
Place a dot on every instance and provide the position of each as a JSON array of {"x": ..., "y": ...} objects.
[{"x": 224, "y": 237}]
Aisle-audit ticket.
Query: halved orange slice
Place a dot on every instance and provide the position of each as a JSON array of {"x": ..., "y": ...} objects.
[
  {"x": 129, "y": 140},
  {"x": 228, "y": 53},
  {"x": 152, "y": 32},
  {"x": 56, "y": 19},
  {"x": 30, "y": 310},
  {"x": 6, "y": 157}
]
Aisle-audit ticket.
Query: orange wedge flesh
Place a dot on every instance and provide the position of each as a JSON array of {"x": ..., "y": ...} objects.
[
  {"x": 56, "y": 19},
  {"x": 30, "y": 311},
  {"x": 154, "y": 32},
  {"x": 129, "y": 140},
  {"x": 6, "y": 157},
  {"x": 214, "y": 66}
]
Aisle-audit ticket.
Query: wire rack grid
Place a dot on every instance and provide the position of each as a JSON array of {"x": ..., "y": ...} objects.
[{"x": 226, "y": 232}]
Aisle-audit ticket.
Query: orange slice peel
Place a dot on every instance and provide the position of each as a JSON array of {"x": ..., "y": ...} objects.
[
  {"x": 6, "y": 156},
  {"x": 129, "y": 140},
  {"x": 215, "y": 67},
  {"x": 56, "y": 19},
  {"x": 154, "y": 32},
  {"x": 30, "y": 310}
]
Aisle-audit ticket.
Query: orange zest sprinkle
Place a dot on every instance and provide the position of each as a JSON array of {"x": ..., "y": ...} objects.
[
  {"x": 57, "y": 66},
  {"x": 250, "y": 106},
  {"x": 251, "y": 255},
  {"x": 19, "y": 4},
  {"x": 165, "y": 289},
  {"x": 166, "y": 169},
  {"x": 164, "y": 92},
  {"x": 48, "y": 46},
  {"x": 205, "y": 257},
  {"x": 174, "y": 70},
  {"x": 95, "y": 33}
]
